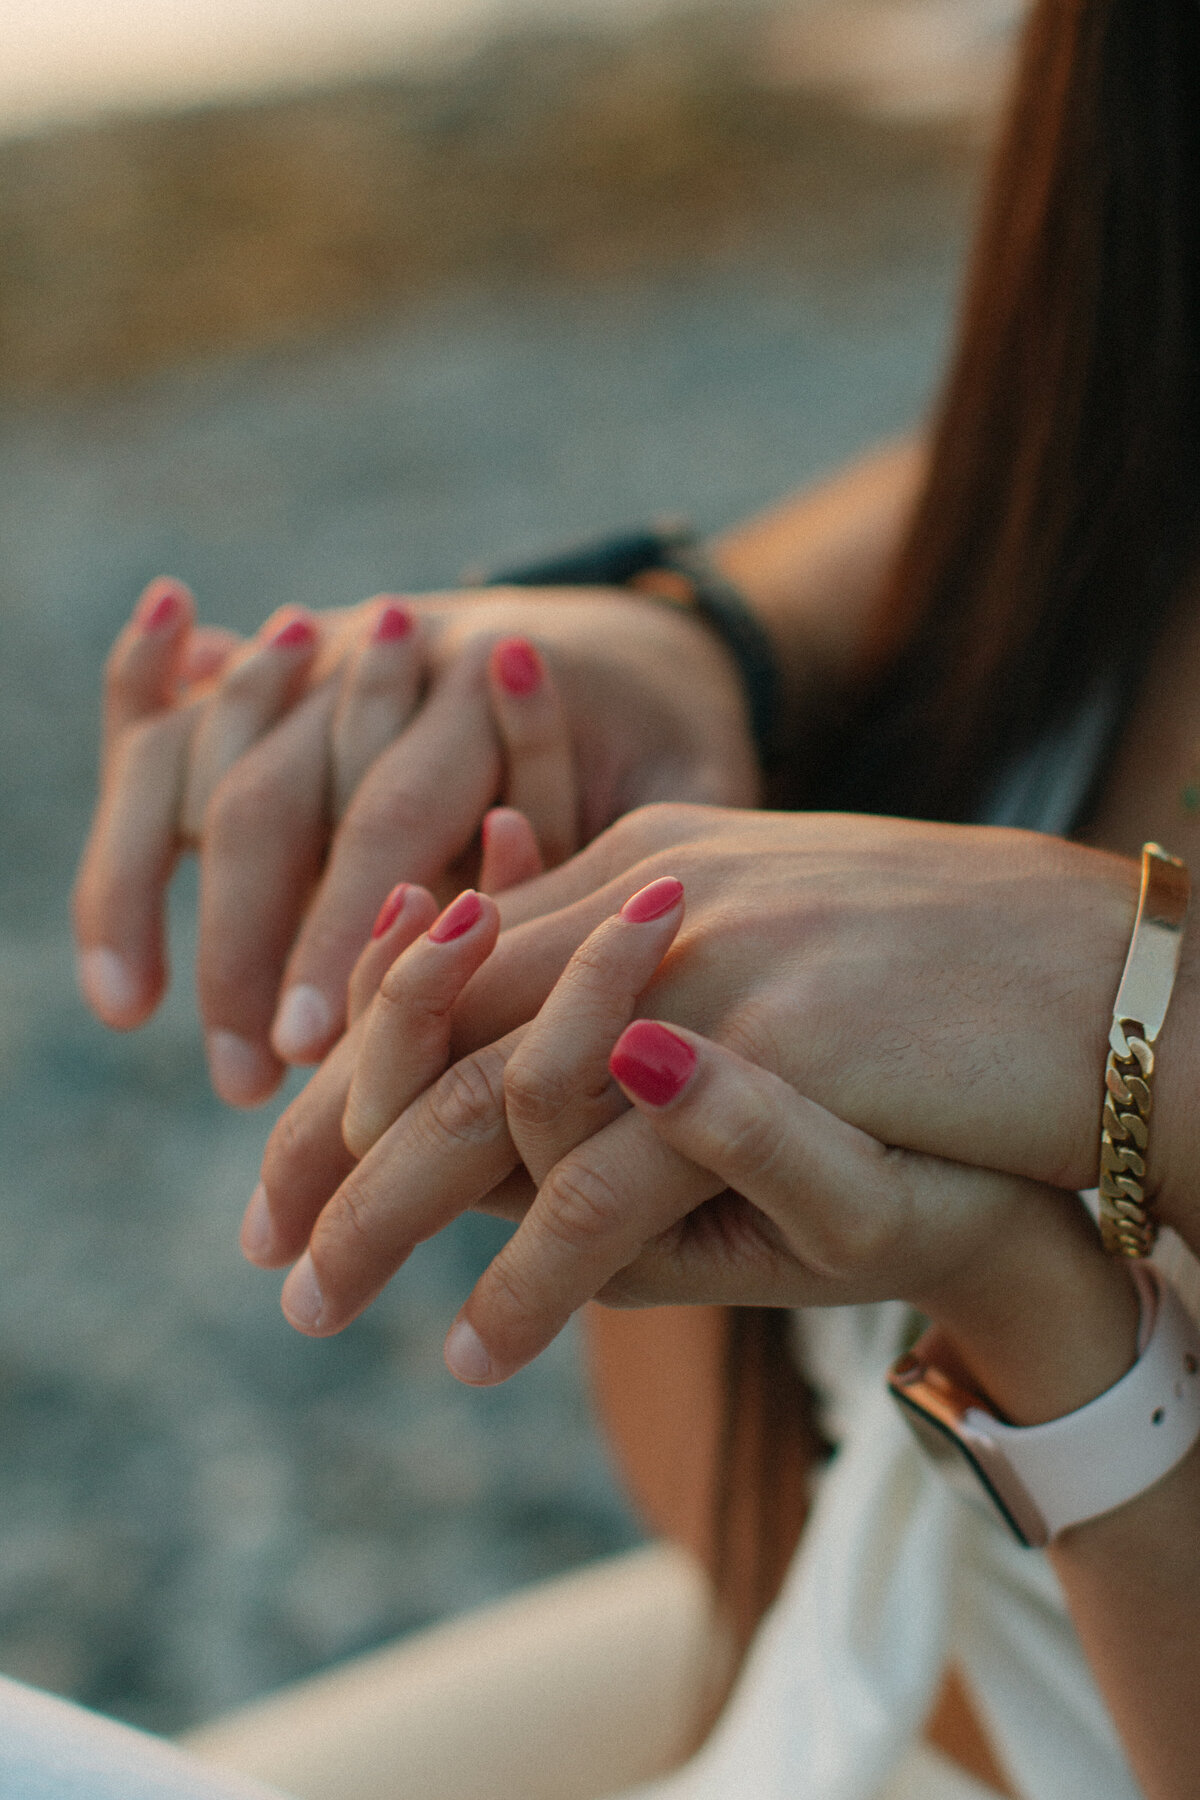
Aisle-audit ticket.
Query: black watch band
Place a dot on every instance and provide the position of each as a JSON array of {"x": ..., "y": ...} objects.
[{"x": 618, "y": 561}]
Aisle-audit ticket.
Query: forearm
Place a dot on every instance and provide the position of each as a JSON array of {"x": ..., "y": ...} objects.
[{"x": 814, "y": 569}]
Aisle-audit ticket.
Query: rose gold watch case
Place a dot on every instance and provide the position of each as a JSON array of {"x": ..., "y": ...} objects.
[{"x": 950, "y": 1423}]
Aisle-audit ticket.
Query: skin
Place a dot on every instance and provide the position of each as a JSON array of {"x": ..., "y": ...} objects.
[{"x": 306, "y": 802}]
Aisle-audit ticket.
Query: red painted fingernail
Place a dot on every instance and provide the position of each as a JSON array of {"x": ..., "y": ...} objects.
[
  {"x": 518, "y": 665},
  {"x": 394, "y": 623},
  {"x": 652, "y": 901},
  {"x": 652, "y": 1062},
  {"x": 297, "y": 634},
  {"x": 159, "y": 611},
  {"x": 457, "y": 919},
  {"x": 390, "y": 911}
]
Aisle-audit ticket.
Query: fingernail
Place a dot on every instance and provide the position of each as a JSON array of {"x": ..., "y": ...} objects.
[
  {"x": 465, "y": 1355},
  {"x": 257, "y": 1236},
  {"x": 457, "y": 919},
  {"x": 652, "y": 1062},
  {"x": 390, "y": 911},
  {"x": 518, "y": 666},
  {"x": 302, "y": 1299},
  {"x": 241, "y": 1073},
  {"x": 393, "y": 624},
  {"x": 297, "y": 634},
  {"x": 159, "y": 610},
  {"x": 652, "y": 901},
  {"x": 302, "y": 1024},
  {"x": 108, "y": 984}
]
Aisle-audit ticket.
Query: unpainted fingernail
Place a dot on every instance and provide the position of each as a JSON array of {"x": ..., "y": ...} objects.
[
  {"x": 302, "y": 1024},
  {"x": 159, "y": 609},
  {"x": 302, "y": 1299},
  {"x": 652, "y": 1062},
  {"x": 466, "y": 1356},
  {"x": 457, "y": 919},
  {"x": 298, "y": 634},
  {"x": 108, "y": 984},
  {"x": 653, "y": 901},
  {"x": 257, "y": 1236},
  {"x": 241, "y": 1072},
  {"x": 393, "y": 624},
  {"x": 518, "y": 666},
  {"x": 390, "y": 911}
]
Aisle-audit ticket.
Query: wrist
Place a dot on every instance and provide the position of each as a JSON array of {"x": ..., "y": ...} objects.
[{"x": 1045, "y": 1322}]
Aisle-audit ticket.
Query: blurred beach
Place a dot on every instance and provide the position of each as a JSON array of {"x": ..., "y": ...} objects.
[{"x": 304, "y": 347}]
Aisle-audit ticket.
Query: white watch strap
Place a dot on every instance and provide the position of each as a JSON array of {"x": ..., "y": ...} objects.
[{"x": 1121, "y": 1443}]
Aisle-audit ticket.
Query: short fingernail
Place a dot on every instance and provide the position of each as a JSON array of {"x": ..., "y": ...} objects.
[
  {"x": 302, "y": 1299},
  {"x": 390, "y": 911},
  {"x": 393, "y": 624},
  {"x": 465, "y": 1355},
  {"x": 653, "y": 901},
  {"x": 257, "y": 1236},
  {"x": 302, "y": 1024},
  {"x": 652, "y": 1062},
  {"x": 518, "y": 666},
  {"x": 297, "y": 634},
  {"x": 108, "y": 984},
  {"x": 457, "y": 919},
  {"x": 241, "y": 1073},
  {"x": 159, "y": 609}
]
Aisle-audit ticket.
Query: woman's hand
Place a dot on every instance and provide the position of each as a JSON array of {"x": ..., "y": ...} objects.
[
  {"x": 724, "y": 1185},
  {"x": 333, "y": 755},
  {"x": 947, "y": 990}
]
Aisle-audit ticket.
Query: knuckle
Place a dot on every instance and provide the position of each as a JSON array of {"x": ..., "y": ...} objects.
[
  {"x": 535, "y": 1091},
  {"x": 579, "y": 1205},
  {"x": 245, "y": 806},
  {"x": 754, "y": 1145},
  {"x": 466, "y": 1105}
]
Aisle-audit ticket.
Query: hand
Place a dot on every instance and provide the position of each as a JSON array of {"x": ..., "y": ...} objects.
[
  {"x": 945, "y": 989},
  {"x": 652, "y": 707},
  {"x": 739, "y": 1191}
]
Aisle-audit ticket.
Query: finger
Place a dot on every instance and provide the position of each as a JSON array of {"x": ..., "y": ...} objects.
[
  {"x": 118, "y": 904},
  {"x": 557, "y": 1086},
  {"x": 407, "y": 911},
  {"x": 593, "y": 1214},
  {"x": 863, "y": 1221},
  {"x": 377, "y": 699},
  {"x": 417, "y": 809},
  {"x": 255, "y": 692},
  {"x": 143, "y": 666},
  {"x": 207, "y": 652},
  {"x": 448, "y": 1152},
  {"x": 406, "y": 1038},
  {"x": 304, "y": 1163},
  {"x": 266, "y": 831},
  {"x": 540, "y": 778},
  {"x": 510, "y": 850}
]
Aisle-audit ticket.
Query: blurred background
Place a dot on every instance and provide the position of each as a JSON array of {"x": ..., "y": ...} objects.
[{"x": 299, "y": 302}]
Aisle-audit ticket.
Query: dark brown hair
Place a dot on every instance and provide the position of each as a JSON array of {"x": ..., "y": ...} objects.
[
  {"x": 1059, "y": 517},
  {"x": 1060, "y": 514}
]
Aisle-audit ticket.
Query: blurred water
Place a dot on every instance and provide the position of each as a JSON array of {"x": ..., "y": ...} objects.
[{"x": 196, "y": 1504}]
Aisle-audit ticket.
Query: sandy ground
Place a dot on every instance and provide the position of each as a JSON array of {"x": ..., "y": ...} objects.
[{"x": 196, "y": 1504}]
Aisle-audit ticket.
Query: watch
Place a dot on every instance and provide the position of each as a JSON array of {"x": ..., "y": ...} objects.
[{"x": 1042, "y": 1479}]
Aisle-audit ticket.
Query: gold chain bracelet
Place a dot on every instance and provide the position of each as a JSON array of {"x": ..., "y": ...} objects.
[{"x": 1127, "y": 1224}]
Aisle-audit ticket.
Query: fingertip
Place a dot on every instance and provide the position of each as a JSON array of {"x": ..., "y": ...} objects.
[
  {"x": 654, "y": 901},
  {"x": 114, "y": 989},
  {"x": 303, "y": 1023},
  {"x": 516, "y": 667},
  {"x": 302, "y": 1299},
  {"x": 163, "y": 607},
  {"x": 257, "y": 1235},
  {"x": 467, "y": 1356},
  {"x": 461, "y": 916},
  {"x": 652, "y": 1063},
  {"x": 243, "y": 1074}
]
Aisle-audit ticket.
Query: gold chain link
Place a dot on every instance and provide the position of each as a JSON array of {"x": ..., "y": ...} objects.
[{"x": 1126, "y": 1223}]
